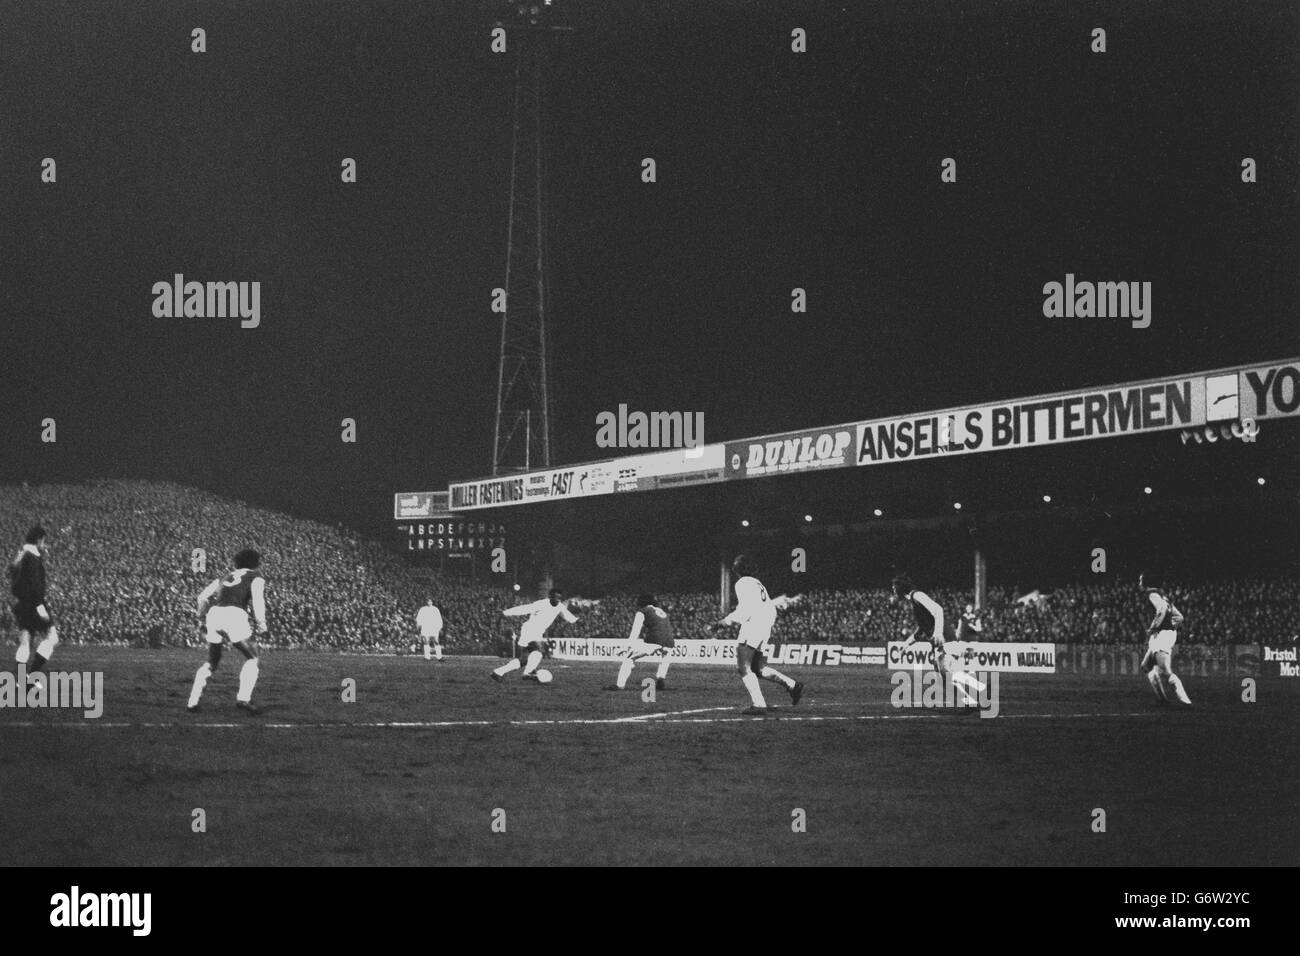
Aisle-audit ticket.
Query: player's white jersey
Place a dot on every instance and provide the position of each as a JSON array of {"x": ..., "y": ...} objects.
[
  {"x": 541, "y": 615},
  {"x": 429, "y": 621},
  {"x": 755, "y": 612}
]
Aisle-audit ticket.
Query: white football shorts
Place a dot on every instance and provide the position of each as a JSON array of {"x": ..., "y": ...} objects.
[
  {"x": 228, "y": 622},
  {"x": 755, "y": 633},
  {"x": 1162, "y": 641}
]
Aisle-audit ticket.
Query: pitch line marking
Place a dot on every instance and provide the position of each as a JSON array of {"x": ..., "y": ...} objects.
[
  {"x": 558, "y": 722},
  {"x": 670, "y": 713}
]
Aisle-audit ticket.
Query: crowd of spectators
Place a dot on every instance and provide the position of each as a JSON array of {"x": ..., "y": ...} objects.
[
  {"x": 1236, "y": 612},
  {"x": 128, "y": 558}
]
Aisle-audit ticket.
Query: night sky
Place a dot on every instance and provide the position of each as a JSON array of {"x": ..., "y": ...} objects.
[{"x": 776, "y": 170}]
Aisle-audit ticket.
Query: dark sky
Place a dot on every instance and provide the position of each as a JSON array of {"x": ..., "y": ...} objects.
[{"x": 775, "y": 170}]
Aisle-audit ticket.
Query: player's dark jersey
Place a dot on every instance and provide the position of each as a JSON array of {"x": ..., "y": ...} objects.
[
  {"x": 657, "y": 629},
  {"x": 925, "y": 620},
  {"x": 27, "y": 580},
  {"x": 1171, "y": 619},
  {"x": 237, "y": 589}
]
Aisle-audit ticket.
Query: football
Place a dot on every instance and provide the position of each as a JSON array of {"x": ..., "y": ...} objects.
[{"x": 544, "y": 676}]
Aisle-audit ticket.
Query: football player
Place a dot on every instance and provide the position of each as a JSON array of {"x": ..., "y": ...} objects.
[
  {"x": 429, "y": 621},
  {"x": 756, "y": 614},
  {"x": 929, "y": 618},
  {"x": 27, "y": 584},
  {"x": 1162, "y": 634},
  {"x": 224, "y": 610},
  {"x": 652, "y": 635},
  {"x": 532, "y": 633}
]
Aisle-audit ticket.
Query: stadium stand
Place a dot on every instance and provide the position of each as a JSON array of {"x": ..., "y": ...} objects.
[{"x": 121, "y": 572}]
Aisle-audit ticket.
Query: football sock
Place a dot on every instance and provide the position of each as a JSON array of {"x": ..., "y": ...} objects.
[
  {"x": 44, "y": 651},
  {"x": 968, "y": 687},
  {"x": 24, "y": 650},
  {"x": 750, "y": 681},
  {"x": 963, "y": 696},
  {"x": 247, "y": 680},
  {"x": 1177, "y": 685},
  {"x": 624, "y": 672},
  {"x": 426, "y": 652},
  {"x": 437, "y": 652},
  {"x": 37, "y": 664},
  {"x": 534, "y": 659},
  {"x": 662, "y": 672},
  {"x": 508, "y": 666},
  {"x": 768, "y": 673},
  {"x": 1153, "y": 678},
  {"x": 200, "y": 681}
]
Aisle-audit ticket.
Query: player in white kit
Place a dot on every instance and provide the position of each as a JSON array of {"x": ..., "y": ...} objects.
[
  {"x": 224, "y": 609},
  {"x": 1162, "y": 634},
  {"x": 532, "y": 633},
  {"x": 756, "y": 614},
  {"x": 429, "y": 621}
]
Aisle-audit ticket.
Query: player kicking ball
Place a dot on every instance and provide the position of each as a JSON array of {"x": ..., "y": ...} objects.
[
  {"x": 930, "y": 619},
  {"x": 224, "y": 608},
  {"x": 652, "y": 636},
  {"x": 756, "y": 614},
  {"x": 1162, "y": 634},
  {"x": 532, "y": 633}
]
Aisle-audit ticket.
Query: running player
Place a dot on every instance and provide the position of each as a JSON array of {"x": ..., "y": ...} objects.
[
  {"x": 429, "y": 621},
  {"x": 652, "y": 635},
  {"x": 27, "y": 584},
  {"x": 1162, "y": 634},
  {"x": 532, "y": 633},
  {"x": 755, "y": 613},
  {"x": 930, "y": 619},
  {"x": 224, "y": 608}
]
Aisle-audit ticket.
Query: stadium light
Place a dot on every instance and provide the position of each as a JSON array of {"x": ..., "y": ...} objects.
[
  {"x": 877, "y": 512},
  {"x": 1047, "y": 499},
  {"x": 956, "y": 506},
  {"x": 516, "y": 587},
  {"x": 1146, "y": 490},
  {"x": 1260, "y": 481},
  {"x": 744, "y": 523},
  {"x": 807, "y": 517}
]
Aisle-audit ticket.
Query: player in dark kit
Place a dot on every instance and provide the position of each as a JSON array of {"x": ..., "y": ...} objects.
[
  {"x": 652, "y": 634},
  {"x": 27, "y": 584},
  {"x": 931, "y": 625},
  {"x": 224, "y": 609},
  {"x": 1162, "y": 634}
]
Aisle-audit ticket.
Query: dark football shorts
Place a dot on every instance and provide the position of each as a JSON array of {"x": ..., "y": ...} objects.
[
  {"x": 526, "y": 649},
  {"x": 751, "y": 656},
  {"x": 27, "y": 618}
]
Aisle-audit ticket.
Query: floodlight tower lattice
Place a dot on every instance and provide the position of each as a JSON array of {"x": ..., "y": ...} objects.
[{"x": 522, "y": 436}]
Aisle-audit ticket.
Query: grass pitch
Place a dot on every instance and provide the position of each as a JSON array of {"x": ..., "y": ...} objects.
[{"x": 417, "y": 770}]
